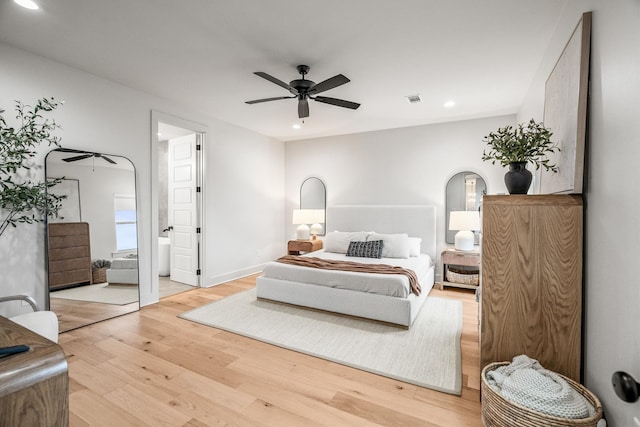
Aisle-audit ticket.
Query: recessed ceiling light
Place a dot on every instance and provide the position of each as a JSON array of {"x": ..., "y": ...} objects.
[
  {"x": 296, "y": 126},
  {"x": 27, "y": 4},
  {"x": 449, "y": 104}
]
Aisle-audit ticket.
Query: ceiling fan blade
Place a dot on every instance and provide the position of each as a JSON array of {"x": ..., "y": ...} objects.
[
  {"x": 276, "y": 81},
  {"x": 108, "y": 159},
  {"x": 303, "y": 108},
  {"x": 338, "y": 102},
  {"x": 334, "y": 81},
  {"x": 255, "y": 101},
  {"x": 76, "y": 158}
]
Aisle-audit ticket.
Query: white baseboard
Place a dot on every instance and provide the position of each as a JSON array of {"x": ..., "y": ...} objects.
[{"x": 238, "y": 274}]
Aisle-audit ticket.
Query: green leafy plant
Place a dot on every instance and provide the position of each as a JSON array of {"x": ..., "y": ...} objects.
[
  {"x": 530, "y": 143},
  {"x": 100, "y": 263},
  {"x": 23, "y": 200}
]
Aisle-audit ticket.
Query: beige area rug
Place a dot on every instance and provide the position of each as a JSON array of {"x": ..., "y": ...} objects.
[
  {"x": 427, "y": 355},
  {"x": 101, "y": 292}
]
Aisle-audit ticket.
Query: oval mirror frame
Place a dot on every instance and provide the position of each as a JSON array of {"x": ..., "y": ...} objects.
[
  {"x": 313, "y": 195},
  {"x": 100, "y": 206},
  {"x": 463, "y": 192}
]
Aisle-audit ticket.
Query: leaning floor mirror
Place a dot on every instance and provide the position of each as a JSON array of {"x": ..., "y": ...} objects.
[{"x": 92, "y": 247}]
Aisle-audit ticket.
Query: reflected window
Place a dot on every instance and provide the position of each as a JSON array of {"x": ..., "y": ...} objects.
[{"x": 125, "y": 221}]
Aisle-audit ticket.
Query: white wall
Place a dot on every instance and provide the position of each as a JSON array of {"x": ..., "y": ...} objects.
[
  {"x": 612, "y": 288},
  {"x": 407, "y": 166},
  {"x": 243, "y": 172}
]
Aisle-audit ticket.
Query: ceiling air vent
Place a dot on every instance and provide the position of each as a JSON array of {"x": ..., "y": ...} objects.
[{"x": 413, "y": 99}]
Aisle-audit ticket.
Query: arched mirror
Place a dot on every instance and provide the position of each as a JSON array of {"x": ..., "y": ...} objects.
[
  {"x": 92, "y": 246},
  {"x": 463, "y": 193},
  {"x": 313, "y": 195}
]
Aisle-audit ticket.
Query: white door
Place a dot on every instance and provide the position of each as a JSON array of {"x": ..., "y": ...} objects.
[{"x": 183, "y": 212}]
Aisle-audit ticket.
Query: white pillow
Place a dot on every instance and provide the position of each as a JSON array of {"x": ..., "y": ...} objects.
[
  {"x": 414, "y": 246},
  {"x": 338, "y": 241},
  {"x": 393, "y": 245}
]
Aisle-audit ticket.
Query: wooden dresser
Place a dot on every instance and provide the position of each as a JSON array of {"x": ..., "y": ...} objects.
[
  {"x": 69, "y": 254},
  {"x": 531, "y": 280},
  {"x": 34, "y": 385}
]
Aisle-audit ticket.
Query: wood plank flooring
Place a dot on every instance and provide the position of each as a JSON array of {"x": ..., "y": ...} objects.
[{"x": 152, "y": 368}]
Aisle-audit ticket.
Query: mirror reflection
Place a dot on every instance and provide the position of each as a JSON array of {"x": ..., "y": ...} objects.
[
  {"x": 463, "y": 193},
  {"x": 313, "y": 195},
  {"x": 92, "y": 245}
]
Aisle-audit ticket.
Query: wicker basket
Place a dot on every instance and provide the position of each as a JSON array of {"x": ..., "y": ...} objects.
[
  {"x": 99, "y": 275},
  {"x": 465, "y": 277},
  {"x": 499, "y": 412}
]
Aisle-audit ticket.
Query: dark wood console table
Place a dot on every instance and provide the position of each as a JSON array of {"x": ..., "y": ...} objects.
[{"x": 34, "y": 385}]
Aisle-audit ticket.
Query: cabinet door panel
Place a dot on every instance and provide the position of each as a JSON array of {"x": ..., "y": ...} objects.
[{"x": 532, "y": 280}]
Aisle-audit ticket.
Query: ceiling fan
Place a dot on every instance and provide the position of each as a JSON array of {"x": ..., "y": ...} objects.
[
  {"x": 304, "y": 90},
  {"x": 87, "y": 155}
]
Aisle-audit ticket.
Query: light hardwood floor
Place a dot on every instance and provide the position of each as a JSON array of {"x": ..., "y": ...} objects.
[{"x": 152, "y": 368}]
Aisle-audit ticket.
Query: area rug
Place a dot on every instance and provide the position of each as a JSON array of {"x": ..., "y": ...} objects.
[
  {"x": 427, "y": 355},
  {"x": 102, "y": 293}
]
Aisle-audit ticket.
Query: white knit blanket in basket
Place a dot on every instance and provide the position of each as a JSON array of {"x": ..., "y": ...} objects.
[{"x": 528, "y": 384}]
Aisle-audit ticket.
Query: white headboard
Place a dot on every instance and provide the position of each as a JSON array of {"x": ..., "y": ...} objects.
[{"x": 417, "y": 221}]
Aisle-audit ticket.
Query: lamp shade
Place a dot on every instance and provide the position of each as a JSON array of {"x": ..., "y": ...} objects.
[
  {"x": 464, "y": 220},
  {"x": 308, "y": 216}
]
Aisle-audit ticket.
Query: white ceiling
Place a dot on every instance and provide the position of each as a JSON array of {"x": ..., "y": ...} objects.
[{"x": 202, "y": 54}]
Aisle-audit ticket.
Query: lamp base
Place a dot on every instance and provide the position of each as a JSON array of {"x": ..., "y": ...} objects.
[
  {"x": 464, "y": 240},
  {"x": 303, "y": 232}
]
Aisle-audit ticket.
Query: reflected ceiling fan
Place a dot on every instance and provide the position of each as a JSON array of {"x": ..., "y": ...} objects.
[
  {"x": 304, "y": 90},
  {"x": 88, "y": 155}
]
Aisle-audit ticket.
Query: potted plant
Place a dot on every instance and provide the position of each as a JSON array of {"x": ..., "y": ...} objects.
[
  {"x": 517, "y": 146},
  {"x": 23, "y": 200},
  {"x": 99, "y": 270}
]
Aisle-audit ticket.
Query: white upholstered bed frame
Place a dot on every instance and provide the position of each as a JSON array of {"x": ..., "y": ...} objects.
[{"x": 417, "y": 221}]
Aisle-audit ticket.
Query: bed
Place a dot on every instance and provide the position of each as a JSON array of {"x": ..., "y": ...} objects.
[
  {"x": 123, "y": 271},
  {"x": 328, "y": 290}
]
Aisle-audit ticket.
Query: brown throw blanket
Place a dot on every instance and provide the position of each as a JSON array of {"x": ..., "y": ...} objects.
[{"x": 353, "y": 266}]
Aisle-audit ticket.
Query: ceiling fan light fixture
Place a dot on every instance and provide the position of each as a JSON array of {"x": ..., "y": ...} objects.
[{"x": 413, "y": 99}]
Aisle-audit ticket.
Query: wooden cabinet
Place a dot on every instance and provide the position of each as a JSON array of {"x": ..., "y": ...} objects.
[
  {"x": 531, "y": 280},
  {"x": 295, "y": 247},
  {"x": 69, "y": 254}
]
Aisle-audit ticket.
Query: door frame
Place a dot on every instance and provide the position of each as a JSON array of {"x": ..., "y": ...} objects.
[{"x": 201, "y": 132}]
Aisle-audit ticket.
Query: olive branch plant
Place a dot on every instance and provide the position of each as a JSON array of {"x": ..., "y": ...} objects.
[
  {"x": 22, "y": 199},
  {"x": 530, "y": 143}
]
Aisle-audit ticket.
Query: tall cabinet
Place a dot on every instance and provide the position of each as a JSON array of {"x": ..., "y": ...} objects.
[{"x": 531, "y": 280}]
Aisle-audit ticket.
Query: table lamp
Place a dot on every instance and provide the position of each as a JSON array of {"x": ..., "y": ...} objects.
[{"x": 466, "y": 222}]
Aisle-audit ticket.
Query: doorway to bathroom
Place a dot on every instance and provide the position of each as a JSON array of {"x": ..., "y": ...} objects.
[{"x": 178, "y": 147}]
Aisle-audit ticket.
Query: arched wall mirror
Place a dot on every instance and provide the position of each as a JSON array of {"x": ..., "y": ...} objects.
[
  {"x": 92, "y": 246},
  {"x": 463, "y": 193},
  {"x": 313, "y": 195}
]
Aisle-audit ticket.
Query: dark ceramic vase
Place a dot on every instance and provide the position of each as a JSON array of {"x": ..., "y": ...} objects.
[{"x": 518, "y": 178}]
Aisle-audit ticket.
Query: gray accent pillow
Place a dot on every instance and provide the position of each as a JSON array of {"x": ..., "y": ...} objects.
[{"x": 370, "y": 249}]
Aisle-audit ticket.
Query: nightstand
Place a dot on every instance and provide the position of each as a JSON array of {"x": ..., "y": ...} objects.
[
  {"x": 295, "y": 247},
  {"x": 468, "y": 260}
]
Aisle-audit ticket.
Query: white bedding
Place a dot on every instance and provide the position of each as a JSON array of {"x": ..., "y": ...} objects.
[
  {"x": 395, "y": 285},
  {"x": 124, "y": 263}
]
